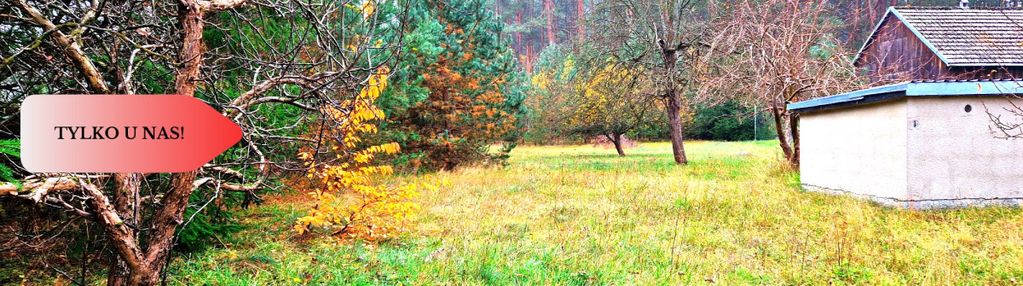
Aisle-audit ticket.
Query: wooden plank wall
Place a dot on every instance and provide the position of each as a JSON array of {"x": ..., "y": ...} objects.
[{"x": 897, "y": 55}]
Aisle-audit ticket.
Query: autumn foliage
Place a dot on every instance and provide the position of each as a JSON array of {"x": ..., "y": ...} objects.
[
  {"x": 349, "y": 200},
  {"x": 456, "y": 94},
  {"x": 613, "y": 100},
  {"x": 585, "y": 96},
  {"x": 463, "y": 112}
]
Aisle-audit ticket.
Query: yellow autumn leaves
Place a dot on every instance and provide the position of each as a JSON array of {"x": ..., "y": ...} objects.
[
  {"x": 366, "y": 8},
  {"x": 349, "y": 200}
]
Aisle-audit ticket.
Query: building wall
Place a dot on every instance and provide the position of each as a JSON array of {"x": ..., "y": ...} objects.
[
  {"x": 896, "y": 54},
  {"x": 860, "y": 150},
  {"x": 955, "y": 155}
]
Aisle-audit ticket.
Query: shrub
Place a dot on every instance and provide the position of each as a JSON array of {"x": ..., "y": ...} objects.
[
  {"x": 728, "y": 121},
  {"x": 349, "y": 201}
]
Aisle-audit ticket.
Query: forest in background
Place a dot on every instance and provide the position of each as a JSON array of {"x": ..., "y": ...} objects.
[
  {"x": 533, "y": 25},
  {"x": 542, "y": 30}
]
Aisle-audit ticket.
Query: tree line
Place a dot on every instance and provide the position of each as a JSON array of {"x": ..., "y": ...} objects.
[{"x": 661, "y": 62}]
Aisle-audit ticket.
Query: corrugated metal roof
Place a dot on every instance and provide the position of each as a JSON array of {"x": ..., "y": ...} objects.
[
  {"x": 911, "y": 89},
  {"x": 964, "y": 37}
]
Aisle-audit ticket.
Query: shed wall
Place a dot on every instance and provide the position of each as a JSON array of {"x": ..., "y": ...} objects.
[
  {"x": 957, "y": 155},
  {"x": 897, "y": 54},
  {"x": 860, "y": 150}
]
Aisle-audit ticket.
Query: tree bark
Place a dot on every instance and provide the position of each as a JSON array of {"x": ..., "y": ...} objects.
[
  {"x": 121, "y": 237},
  {"x": 118, "y": 272},
  {"x": 617, "y": 140},
  {"x": 169, "y": 216},
  {"x": 580, "y": 21},
  {"x": 783, "y": 137},
  {"x": 518, "y": 34},
  {"x": 165, "y": 223},
  {"x": 191, "y": 51},
  {"x": 548, "y": 8},
  {"x": 126, "y": 206},
  {"x": 794, "y": 134},
  {"x": 674, "y": 106}
]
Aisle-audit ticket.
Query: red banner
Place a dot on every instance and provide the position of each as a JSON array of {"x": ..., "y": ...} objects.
[{"x": 121, "y": 133}]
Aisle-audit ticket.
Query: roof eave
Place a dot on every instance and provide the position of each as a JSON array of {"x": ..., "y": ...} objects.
[
  {"x": 968, "y": 88},
  {"x": 910, "y": 89},
  {"x": 849, "y": 98},
  {"x": 992, "y": 65}
]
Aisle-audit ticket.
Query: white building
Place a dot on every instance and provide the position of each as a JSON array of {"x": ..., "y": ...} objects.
[
  {"x": 930, "y": 141},
  {"x": 917, "y": 144}
]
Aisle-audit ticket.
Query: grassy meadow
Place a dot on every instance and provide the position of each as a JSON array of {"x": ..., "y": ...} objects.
[{"x": 581, "y": 215}]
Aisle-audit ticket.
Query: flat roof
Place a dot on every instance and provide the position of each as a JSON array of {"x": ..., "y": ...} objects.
[{"x": 910, "y": 89}]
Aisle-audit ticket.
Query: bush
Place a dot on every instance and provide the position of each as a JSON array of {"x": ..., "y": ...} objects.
[{"x": 728, "y": 121}]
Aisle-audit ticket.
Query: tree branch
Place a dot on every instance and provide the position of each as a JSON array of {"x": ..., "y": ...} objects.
[{"x": 71, "y": 47}]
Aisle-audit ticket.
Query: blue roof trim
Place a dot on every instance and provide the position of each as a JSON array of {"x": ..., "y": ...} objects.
[
  {"x": 913, "y": 89},
  {"x": 959, "y": 88},
  {"x": 848, "y": 96}
]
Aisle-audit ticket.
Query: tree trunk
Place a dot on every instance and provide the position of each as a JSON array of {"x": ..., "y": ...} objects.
[
  {"x": 854, "y": 34},
  {"x": 617, "y": 140},
  {"x": 674, "y": 106},
  {"x": 580, "y": 21},
  {"x": 118, "y": 273},
  {"x": 794, "y": 134},
  {"x": 518, "y": 34},
  {"x": 173, "y": 204},
  {"x": 121, "y": 236},
  {"x": 548, "y": 8},
  {"x": 529, "y": 57},
  {"x": 779, "y": 128},
  {"x": 144, "y": 275},
  {"x": 126, "y": 197}
]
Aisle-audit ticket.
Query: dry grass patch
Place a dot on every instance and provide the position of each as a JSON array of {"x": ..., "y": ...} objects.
[{"x": 582, "y": 215}]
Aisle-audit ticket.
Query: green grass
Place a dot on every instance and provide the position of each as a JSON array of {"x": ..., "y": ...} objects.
[{"x": 580, "y": 215}]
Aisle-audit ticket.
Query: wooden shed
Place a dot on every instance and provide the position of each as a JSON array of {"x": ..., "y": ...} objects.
[
  {"x": 928, "y": 141},
  {"x": 944, "y": 43}
]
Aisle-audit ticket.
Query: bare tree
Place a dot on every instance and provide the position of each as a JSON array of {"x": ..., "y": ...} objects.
[
  {"x": 304, "y": 54},
  {"x": 780, "y": 52}
]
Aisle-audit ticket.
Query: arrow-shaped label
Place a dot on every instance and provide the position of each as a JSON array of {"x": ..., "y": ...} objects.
[{"x": 121, "y": 133}]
